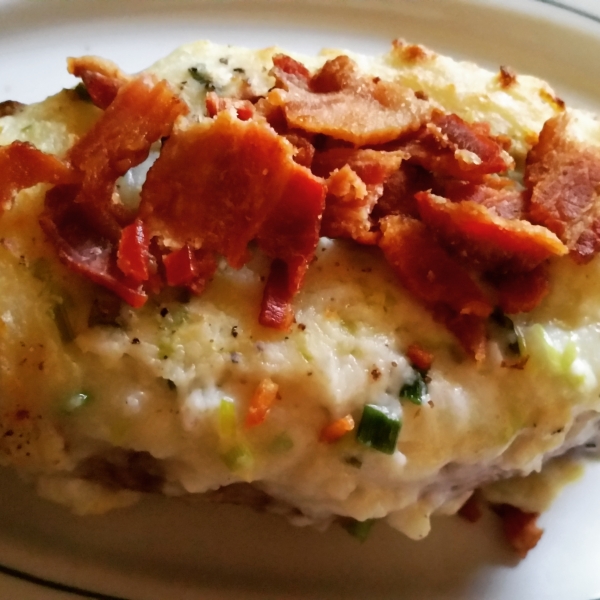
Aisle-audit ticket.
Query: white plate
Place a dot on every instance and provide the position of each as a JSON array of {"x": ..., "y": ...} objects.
[{"x": 172, "y": 549}]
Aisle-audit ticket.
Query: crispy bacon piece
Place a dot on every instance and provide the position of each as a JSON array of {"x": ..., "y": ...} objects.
[
  {"x": 23, "y": 166},
  {"x": 338, "y": 74},
  {"x": 219, "y": 184},
  {"x": 288, "y": 70},
  {"x": 520, "y": 528},
  {"x": 190, "y": 268},
  {"x": 451, "y": 147},
  {"x": 262, "y": 400},
  {"x": 101, "y": 77},
  {"x": 143, "y": 112},
  {"x": 521, "y": 292},
  {"x": 498, "y": 194},
  {"x": 364, "y": 111},
  {"x": 291, "y": 234},
  {"x": 347, "y": 207},
  {"x": 83, "y": 250},
  {"x": 563, "y": 175},
  {"x": 372, "y": 166},
  {"x": 335, "y": 430},
  {"x": 305, "y": 151},
  {"x": 436, "y": 279},
  {"x": 215, "y": 104},
  {"x": 419, "y": 357},
  {"x": 470, "y": 330},
  {"x": 276, "y": 309},
  {"x": 83, "y": 222},
  {"x": 133, "y": 256},
  {"x": 427, "y": 270},
  {"x": 485, "y": 239},
  {"x": 398, "y": 197},
  {"x": 355, "y": 183}
]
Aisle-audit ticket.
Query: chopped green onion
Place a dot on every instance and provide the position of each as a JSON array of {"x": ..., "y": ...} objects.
[
  {"x": 378, "y": 429},
  {"x": 238, "y": 458},
  {"x": 76, "y": 401},
  {"x": 202, "y": 77},
  {"x": 358, "y": 529},
  {"x": 280, "y": 444},
  {"x": 61, "y": 318},
  {"x": 416, "y": 391},
  {"x": 227, "y": 419}
]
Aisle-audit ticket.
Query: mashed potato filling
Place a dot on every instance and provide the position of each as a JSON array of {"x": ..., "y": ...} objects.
[{"x": 169, "y": 384}]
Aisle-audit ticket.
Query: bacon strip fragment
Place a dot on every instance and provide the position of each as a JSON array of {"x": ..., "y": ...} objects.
[
  {"x": 353, "y": 108},
  {"x": 436, "y": 279},
  {"x": 82, "y": 221},
  {"x": 23, "y": 166},
  {"x": 220, "y": 184},
  {"x": 451, "y": 147},
  {"x": 485, "y": 239},
  {"x": 419, "y": 357},
  {"x": 244, "y": 109},
  {"x": 190, "y": 268},
  {"x": 520, "y": 528},
  {"x": 82, "y": 249},
  {"x": 498, "y": 194},
  {"x": 563, "y": 175},
  {"x": 133, "y": 255},
  {"x": 102, "y": 78},
  {"x": 521, "y": 292},
  {"x": 355, "y": 183}
]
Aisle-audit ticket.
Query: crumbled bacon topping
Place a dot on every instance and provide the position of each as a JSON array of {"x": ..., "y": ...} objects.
[
  {"x": 333, "y": 153},
  {"x": 486, "y": 239},
  {"x": 23, "y": 166},
  {"x": 520, "y": 528},
  {"x": 101, "y": 77},
  {"x": 563, "y": 175},
  {"x": 353, "y": 108},
  {"x": 235, "y": 182},
  {"x": 450, "y": 147}
]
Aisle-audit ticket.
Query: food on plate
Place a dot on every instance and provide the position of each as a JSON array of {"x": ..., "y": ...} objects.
[{"x": 342, "y": 287}]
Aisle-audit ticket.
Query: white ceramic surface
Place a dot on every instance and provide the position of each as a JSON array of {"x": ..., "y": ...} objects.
[{"x": 174, "y": 549}]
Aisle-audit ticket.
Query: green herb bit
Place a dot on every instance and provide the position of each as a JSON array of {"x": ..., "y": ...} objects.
[
  {"x": 202, "y": 77},
  {"x": 227, "y": 419},
  {"x": 76, "y": 401},
  {"x": 358, "y": 529},
  {"x": 63, "y": 324},
  {"x": 281, "y": 444},
  {"x": 238, "y": 458},
  {"x": 416, "y": 391},
  {"x": 378, "y": 429},
  {"x": 82, "y": 92}
]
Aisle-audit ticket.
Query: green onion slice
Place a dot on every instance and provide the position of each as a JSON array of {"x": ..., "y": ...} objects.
[
  {"x": 416, "y": 391},
  {"x": 358, "y": 529},
  {"x": 378, "y": 429}
]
